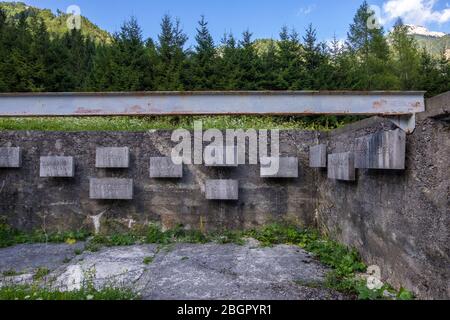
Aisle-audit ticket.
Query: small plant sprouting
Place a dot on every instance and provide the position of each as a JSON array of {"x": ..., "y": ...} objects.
[
  {"x": 11, "y": 273},
  {"x": 40, "y": 274},
  {"x": 148, "y": 260}
]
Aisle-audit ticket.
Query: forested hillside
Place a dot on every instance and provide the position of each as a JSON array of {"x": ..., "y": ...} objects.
[
  {"x": 55, "y": 24},
  {"x": 38, "y": 54}
]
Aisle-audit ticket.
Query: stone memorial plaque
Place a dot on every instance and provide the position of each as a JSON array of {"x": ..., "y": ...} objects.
[
  {"x": 381, "y": 150},
  {"x": 163, "y": 167},
  {"x": 318, "y": 156},
  {"x": 112, "y": 158},
  {"x": 341, "y": 166},
  {"x": 287, "y": 167},
  {"x": 228, "y": 160},
  {"x": 10, "y": 158},
  {"x": 222, "y": 190},
  {"x": 111, "y": 189},
  {"x": 57, "y": 167}
]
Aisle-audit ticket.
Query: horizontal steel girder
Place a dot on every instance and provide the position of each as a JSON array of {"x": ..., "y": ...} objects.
[{"x": 212, "y": 103}]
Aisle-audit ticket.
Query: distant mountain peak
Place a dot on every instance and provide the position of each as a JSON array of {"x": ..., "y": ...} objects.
[{"x": 422, "y": 31}]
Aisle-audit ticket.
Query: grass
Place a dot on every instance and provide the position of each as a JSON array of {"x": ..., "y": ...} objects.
[
  {"x": 145, "y": 123},
  {"x": 345, "y": 263},
  {"x": 10, "y": 273},
  {"x": 40, "y": 274},
  {"x": 148, "y": 260},
  {"x": 10, "y": 237},
  {"x": 26, "y": 292}
]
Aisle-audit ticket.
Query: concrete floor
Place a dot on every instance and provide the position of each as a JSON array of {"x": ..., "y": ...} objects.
[{"x": 182, "y": 271}]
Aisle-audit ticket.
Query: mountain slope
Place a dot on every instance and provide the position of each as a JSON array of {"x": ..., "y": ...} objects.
[
  {"x": 433, "y": 42},
  {"x": 56, "y": 24}
]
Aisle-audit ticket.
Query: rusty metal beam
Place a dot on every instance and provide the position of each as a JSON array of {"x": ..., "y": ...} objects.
[{"x": 211, "y": 103}]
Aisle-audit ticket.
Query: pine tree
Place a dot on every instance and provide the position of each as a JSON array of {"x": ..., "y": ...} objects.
[
  {"x": 228, "y": 65},
  {"x": 371, "y": 49},
  {"x": 126, "y": 65},
  {"x": 32, "y": 60},
  {"x": 406, "y": 56},
  {"x": 204, "y": 60},
  {"x": 290, "y": 60},
  {"x": 270, "y": 68},
  {"x": 39, "y": 55},
  {"x": 16, "y": 66},
  {"x": 3, "y": 52},
  {"x": 317, "y": 71},
  {"x": 248, "y": 64},
  {"x": 171, "y": 56}
]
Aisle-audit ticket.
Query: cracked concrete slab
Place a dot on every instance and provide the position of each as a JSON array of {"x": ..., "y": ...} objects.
[{"x": 182, "y": 271}]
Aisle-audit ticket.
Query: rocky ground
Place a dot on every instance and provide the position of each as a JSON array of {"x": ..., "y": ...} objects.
[{"x": 182, "y": 271}]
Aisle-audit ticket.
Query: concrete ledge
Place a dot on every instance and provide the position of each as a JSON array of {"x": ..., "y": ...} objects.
[
  {"x": 112, "y": 158},
  {"x": 318, "y": 156},
  {"x": 341, "y": 166},
  {"x": 437, "y": 107},
  {"x": 111, "y": 189},
  {"x": 381, "y": 150},
  {"x": 226, "y": 163},
  {"x": 288, "y": 168},
  {"x": 10, "y": 158},
  {"x": 163, "y": 167},
  {"x": 222, "y": 189},
  {"x": 57, "y": 167}
]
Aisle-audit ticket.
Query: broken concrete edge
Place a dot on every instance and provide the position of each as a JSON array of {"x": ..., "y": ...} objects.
[
  {"x": 375, "y": 121},
  {"x": 436, "y": 107}
]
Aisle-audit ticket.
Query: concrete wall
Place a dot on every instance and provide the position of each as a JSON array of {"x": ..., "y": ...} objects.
[
  {"x": 398, "y": 220},
  {"x": 30, "y": 202}
]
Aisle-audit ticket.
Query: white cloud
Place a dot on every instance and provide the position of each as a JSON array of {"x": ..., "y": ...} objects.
[
  {"x": 418, "y": 12},
  {"x": 306, "y": 10}
]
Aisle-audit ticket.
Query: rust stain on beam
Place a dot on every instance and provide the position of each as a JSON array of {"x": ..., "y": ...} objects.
[{"x": 212, "y": 103}]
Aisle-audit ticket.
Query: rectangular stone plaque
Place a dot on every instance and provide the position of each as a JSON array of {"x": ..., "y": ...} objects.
[
  {"x": 111, "y": 189},
  {"x": 163, "y": 167},
  {"x": 10, "y": 158},
  {"x": 318, "y": 156},
  {"x": 381, "y": 150},
  {"x": 112, "y": 158},
  {"x": 222, "y": 190},
  {"x": 227, "y": 156},
  {"x": 341, "y": 166},
  {"x": 57, "y": 167},
  {"x": 287, "y": 167}
]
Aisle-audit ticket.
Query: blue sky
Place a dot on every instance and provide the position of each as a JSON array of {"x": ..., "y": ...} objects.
[{"x": 263, "y": 17}]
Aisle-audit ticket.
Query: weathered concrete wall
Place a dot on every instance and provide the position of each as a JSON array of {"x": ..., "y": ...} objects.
[
  {"x": 30, "y": 202},
  {"x": 398, "y": 220}
]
